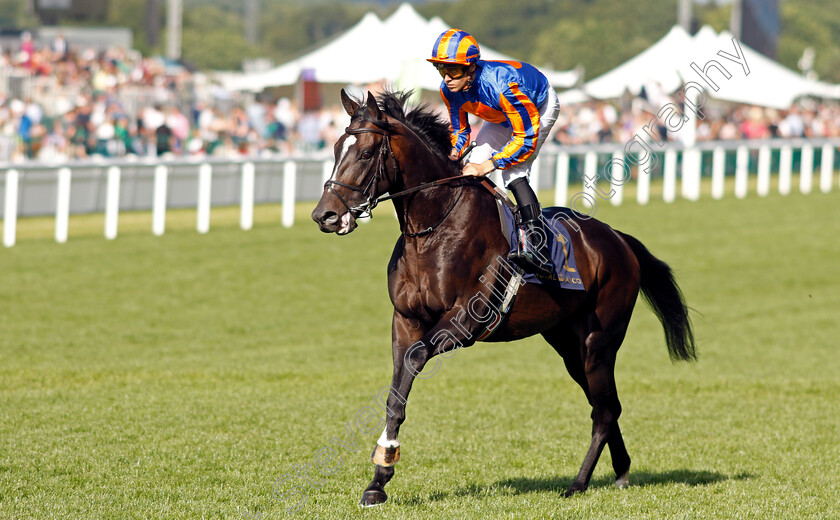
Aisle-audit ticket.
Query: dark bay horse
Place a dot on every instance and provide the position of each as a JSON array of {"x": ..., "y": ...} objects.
[{"x": 451, "y": 238}]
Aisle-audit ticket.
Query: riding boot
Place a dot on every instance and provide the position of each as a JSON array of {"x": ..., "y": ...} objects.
[{"x": 532, "y": 252}]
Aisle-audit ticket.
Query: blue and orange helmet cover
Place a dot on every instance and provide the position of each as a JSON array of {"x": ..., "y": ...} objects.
[{"x": 456, "y": 47}]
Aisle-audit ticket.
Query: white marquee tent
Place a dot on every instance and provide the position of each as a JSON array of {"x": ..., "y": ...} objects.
[
  {"x": 393, "y": 51},
  {"x": 768, "y": 84},
  {"x": 659, "y": 63},
  {"x": 666, "y": 65}
]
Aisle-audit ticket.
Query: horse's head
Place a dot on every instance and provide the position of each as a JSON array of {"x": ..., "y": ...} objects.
[{"x": 365, "y": 168}]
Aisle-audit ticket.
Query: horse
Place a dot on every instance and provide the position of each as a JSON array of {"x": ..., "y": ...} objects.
[{"x": 450, "y": 236}]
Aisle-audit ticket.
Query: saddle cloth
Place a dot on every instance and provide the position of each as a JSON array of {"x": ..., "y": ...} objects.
[{"x": 566, "y": 274}]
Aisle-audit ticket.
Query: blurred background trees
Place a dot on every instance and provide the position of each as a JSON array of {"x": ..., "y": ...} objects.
[{"x": 597, "y": 34}]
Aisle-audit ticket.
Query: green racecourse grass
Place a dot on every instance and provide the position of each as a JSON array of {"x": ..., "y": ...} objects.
[{"x": 180, "y": 376}]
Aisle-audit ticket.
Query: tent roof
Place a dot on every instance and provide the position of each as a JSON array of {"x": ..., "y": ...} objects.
[
  {"x": 393, "y": 50},
  {"x": 769, "y": 84},
  {"x": 668, "y": 64},
  {"x": 336, "y": 61},
  {"x": 659, "y": 63}
]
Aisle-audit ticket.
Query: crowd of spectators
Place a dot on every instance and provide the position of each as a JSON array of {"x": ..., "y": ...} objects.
[
  {"x": 601, "y": 122},
  {"x": 85, "y": 102},
  {"x": 76, "y": 103}
]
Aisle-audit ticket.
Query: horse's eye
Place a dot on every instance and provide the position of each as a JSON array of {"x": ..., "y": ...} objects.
[{"x": 366, "y": 154}]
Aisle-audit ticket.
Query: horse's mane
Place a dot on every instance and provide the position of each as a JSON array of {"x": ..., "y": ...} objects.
[{"x": 421, "y": 119}]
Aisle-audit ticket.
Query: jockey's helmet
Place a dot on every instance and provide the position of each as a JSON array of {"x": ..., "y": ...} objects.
[{"x": 455, "y": 47}]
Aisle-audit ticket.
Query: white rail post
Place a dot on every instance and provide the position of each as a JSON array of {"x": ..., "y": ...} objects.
[
  {"x": 692, "y": 158},
  {"x": 561, "y": 179},
  {"x": 691, "y": 166},
  {"x": 826, "y": 167},
  {"x": 617, "y": 172},
  {"x": 718, "y": 173},
  {"x": 62, "y": 205},
  {"x": 590, "y": 173},
  {"x": 159, "y": 200},
  {"x": 806, "y": 170},
  {"x": 10, "y": 208},
  {"x": 643, "y": 180},
  {"x": 785, "y": 168},
  {"x": 326, "y": 170},
  {"x": 202, "y": 214},
  {"x": 289, "y": 178},
  {"x": 112, "y": 202},
  {"x": 246, "y": 208},
  {"x": 669, "y": 182},
  {"x": 742, "y": 162},
  {"x": 763, "y": 185}
]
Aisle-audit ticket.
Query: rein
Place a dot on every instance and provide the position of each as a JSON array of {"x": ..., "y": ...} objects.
[
  {"x": 428, "y": 184},
  {"x": 365, "y": 209},
  {"x": 430, "y": 229}
]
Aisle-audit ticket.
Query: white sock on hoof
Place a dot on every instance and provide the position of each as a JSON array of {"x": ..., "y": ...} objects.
[
  {"x": 623, "y": 481},
  {"x": 386, "y": 443}
]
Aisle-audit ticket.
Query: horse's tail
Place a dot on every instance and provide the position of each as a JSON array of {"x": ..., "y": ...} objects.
[{"x": 666, "y": 300}]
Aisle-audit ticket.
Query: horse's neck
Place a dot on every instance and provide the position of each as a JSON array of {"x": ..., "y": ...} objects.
[
  {"x": 456, "y": 210},
  {"x": 420, "y": 165},
  {"x": 427, "y": 208}
]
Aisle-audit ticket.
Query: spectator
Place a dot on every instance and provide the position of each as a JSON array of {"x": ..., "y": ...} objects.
[
  {"x": 55, "y": 146},
  {"x": 164, "y": 139},
  {"x": 180, "y": 126},
  {"x": 27, "y": 49},
  {"x": 59, "y": 47}
]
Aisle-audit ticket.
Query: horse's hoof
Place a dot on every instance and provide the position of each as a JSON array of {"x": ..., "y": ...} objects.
[
  {"x": 372, "y": 498},
  {"x": 572, "y": 491},
  {"x": 623, "y": 482}
]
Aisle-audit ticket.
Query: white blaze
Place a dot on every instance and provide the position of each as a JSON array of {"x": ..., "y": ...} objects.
[{"x": 350, "y": 141}]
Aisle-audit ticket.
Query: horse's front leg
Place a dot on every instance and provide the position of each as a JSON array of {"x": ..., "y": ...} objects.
[{"x": 412, "y": 348}]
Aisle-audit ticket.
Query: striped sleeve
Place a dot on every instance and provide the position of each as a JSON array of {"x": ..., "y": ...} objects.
[
  {"x": 460, "y": 123},
  {"x": 524, "y": 120}
]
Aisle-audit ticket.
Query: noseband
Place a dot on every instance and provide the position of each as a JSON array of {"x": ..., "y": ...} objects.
[{"x": 365, "y": 208}]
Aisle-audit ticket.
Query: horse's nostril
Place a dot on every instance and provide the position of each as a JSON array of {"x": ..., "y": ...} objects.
[{"x": 330, "y": 217}]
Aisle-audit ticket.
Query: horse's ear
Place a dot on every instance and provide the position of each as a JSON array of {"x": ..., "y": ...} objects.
[
  {"x": 373, "y": 107},
  {"x": 350, "y": 106}
]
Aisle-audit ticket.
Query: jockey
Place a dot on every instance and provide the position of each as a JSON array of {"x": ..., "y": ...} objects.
[{"x": 519, "y": 107}]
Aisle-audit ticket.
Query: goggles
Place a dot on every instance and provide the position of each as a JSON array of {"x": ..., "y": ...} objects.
[{"x": 454, "y": 71}]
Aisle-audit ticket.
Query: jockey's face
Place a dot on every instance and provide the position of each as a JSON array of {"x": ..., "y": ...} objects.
[{"x": 456, "y": 77}]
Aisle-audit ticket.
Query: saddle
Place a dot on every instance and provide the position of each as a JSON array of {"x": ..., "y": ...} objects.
[{"x": 566, "y": 274}]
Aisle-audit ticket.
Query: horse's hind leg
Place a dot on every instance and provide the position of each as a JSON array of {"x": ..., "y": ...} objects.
[
  {"x": 591, "y": 364},
  {"x": 620, "y": 457},
  {"x": 601, "y": 346}
]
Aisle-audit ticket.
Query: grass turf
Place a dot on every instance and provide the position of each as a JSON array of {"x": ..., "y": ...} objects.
[{"x": 181, "y": 376}]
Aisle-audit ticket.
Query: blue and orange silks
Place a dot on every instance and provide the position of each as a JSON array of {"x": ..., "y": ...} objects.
[
  {"x": 455, "y": 46},
  {"x": 504, "y": 92}
]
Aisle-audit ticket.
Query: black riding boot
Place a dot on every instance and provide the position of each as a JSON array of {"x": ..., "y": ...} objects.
[{"x": 532, "y": 253}]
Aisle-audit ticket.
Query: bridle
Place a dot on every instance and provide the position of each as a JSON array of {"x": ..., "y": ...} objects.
[{"x": 365, "y": 209}]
